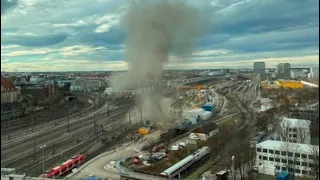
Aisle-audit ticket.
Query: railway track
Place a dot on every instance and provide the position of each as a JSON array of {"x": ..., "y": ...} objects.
[
  {"x": 52, "y": 124},
  {"x": 44, "y": 129},
  {"x": 49, "y": 115},
  {"x": 23, "y": 151}
]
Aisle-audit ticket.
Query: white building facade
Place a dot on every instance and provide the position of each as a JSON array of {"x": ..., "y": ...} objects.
[
  {"x": 295, "y": 73},
  {"x": 276, "y": 156},
  {"x": 293, "y": 130}
]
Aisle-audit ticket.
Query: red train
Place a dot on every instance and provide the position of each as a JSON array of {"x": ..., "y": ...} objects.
[{"x": 65, "y": 167}]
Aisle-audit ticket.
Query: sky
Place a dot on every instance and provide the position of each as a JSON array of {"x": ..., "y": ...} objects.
[{"x": 87, "y": 35}]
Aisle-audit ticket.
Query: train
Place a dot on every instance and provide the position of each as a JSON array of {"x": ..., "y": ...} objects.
[
  {"x": 178, "y": 168},
  {"x": 65, "y": 167}
]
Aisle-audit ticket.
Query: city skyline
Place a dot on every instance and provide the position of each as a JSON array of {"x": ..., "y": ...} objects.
[{"x": 88, "y": 36}]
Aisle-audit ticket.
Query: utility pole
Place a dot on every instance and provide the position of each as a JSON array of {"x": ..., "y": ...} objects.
[
  {"x": 68, "y": 122},
  {"x": 108, "y": 107},
  {"x": 34, "y": 147},
  {"x": 42, "y": 147},
  {"x": 129, "y": 115},
  {"x": 141, "y": 116},
  {"x": 8, "y": 128},
  {"x": 32, "y": 124}
]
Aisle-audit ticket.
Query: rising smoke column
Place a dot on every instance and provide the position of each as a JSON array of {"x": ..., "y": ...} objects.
[{"x": 155, "y": 30}]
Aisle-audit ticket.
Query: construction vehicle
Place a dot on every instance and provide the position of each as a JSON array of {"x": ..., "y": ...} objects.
[{"x": 198, "y": 87}]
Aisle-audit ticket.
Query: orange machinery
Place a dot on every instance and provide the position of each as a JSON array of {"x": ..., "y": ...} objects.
[{"x": 198, "y": 87}]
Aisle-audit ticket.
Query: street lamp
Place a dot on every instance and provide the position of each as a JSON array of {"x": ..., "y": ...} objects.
[
  {"x": 42, "y": 147},
  {"x": 232, "y": 159}
]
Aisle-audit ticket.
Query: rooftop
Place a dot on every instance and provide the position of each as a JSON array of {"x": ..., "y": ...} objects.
[
  {"x": 7, "y": 84},
  {"x": 292, "y": 122},
  {"x": 295, "y": 147}
]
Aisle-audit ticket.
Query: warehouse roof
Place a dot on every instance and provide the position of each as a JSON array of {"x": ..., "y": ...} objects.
[{"x": 294, "y": 147}]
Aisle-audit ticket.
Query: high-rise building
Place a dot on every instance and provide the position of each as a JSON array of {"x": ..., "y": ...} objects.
[
  {"x": 314, "y": 72},
  {"x": 259, "y": 67},
  {"x": 283, "y": 71}
]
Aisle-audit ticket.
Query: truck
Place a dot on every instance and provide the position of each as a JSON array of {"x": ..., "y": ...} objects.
[{"x": 259, "y": 137}]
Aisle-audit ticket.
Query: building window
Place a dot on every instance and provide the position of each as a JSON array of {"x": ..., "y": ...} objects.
[
  {"x": 283, "y": 153},
  {"x": 270, "y": 151},
  {"x": 297, "y": 163},
  {"x": 297, "y": 171},
  {"x": 265, "y": 150},
  {"x": 294, "y": 135},
  {"x": 260, "y": 157},
  {"x": 290, "y": 154},
  {"x": 284, "y": 169},
  {"x": 277, "y": 167},
  {"x": 304, "y": 172},
  {"x": 271, "y": 159},
  {"x": 304, "y": 164},
  {"x": 259, "y": 149},
  {"x": 277, "y": 159},
  {"x": 303, "y": 155},
  {"x": 311, "y": 165},
  {"x": 297, "y": 155},
  {"x": 277, "y": 152},
  {"x": 290, "y": 162},
  {"x": 310, "y": 156},
  {"x": 283, "y": 160},
  {"x": 265, "y": 158}
]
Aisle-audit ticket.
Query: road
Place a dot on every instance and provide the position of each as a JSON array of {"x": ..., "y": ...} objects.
[{"x": 96, "y": 167}]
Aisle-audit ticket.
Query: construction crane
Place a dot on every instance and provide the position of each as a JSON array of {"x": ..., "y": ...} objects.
[{"x": 198, "y": 87}]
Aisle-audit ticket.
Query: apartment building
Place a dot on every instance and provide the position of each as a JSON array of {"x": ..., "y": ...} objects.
[
  {"x": 309, "y": 113},
  {"x": 276, "y": 156},
  {"x": 293, "y": 130}
]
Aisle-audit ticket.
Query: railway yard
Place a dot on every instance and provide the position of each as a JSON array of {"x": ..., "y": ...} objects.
[
  {"x": 60, "y": 135},
  {"x": 111, "y": 135}
]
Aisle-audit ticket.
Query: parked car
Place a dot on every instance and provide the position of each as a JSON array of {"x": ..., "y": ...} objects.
[
  {"x": 194, "y": 136},
  {"x": 146, "y": 163}
]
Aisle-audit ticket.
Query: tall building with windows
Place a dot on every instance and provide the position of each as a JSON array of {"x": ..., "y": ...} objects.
[
  {"x": 283, "y": 71},
  {"x": 276, "y": 156},
  {"x": 293, "y": 130},
  {"x": 259, "y": 67},
  {"x": 314, "y": 72}
]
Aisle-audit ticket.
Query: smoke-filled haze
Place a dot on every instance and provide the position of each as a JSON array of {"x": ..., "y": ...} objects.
[{"x": 154, "y": 30}]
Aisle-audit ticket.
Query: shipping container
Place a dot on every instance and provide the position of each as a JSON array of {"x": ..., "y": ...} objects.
[
  {"x": 208, "y": 107},
  {"x": 283, "y": 176}
]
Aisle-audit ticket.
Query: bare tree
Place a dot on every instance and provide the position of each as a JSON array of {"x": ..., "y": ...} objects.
[
  {"x": 303, "y": 132},
  {"x": 314, "y": 164},
  {"x": 289, "y": 158},
  {"x": 240, "y": 150},
  {"x": 283, "y": 130}
]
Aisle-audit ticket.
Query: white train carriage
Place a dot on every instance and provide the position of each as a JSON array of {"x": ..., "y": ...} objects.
[
  {"x": 179, "y": 167},
  {"x": 200, "y": 153},
  {"x": 185, "y": 163}
]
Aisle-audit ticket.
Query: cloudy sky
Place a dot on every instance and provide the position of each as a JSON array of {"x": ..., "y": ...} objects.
[{"x": 59, "y": 35}]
